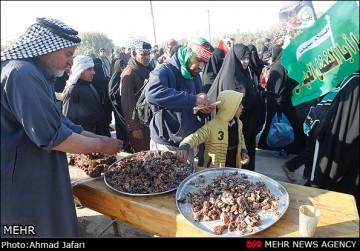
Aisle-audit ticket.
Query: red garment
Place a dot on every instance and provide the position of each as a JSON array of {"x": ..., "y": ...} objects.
[{"x": 222, "y": 45}]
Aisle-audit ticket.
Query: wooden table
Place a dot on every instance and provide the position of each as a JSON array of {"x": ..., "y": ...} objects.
[{"x": 159, "y": 215}]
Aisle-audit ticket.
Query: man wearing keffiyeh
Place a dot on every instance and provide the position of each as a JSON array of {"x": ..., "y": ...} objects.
[
  {"x": 132, "y": 80},
  {"x": 36, "y": 192},
  {"x": 173, "y": 90}
]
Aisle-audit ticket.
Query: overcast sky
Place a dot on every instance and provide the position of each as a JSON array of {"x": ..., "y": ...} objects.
[{"x": 120, "y": 20}]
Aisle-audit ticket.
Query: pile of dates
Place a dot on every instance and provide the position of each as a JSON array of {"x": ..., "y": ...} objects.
[
  {"x": 148, "y": 172},
  {"x": 93, "y": 164}
]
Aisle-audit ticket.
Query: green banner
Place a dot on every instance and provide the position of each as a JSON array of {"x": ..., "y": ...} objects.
[{"x": 325, "y": 53}]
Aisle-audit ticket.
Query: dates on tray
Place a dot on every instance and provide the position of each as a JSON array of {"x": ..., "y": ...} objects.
[{"x": 148, "y": 172}]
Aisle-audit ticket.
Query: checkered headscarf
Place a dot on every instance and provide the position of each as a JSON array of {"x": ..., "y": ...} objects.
[{"x": 47, "y": 35}]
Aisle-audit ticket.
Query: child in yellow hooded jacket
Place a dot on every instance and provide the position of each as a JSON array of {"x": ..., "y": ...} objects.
[{"x": 223, "y": 135}]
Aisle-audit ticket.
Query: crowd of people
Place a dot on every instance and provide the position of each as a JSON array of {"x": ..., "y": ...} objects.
[{"x": 53, "y": 103}]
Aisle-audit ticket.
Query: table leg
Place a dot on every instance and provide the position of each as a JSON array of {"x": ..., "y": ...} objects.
[{"x": 114, "y": 224}]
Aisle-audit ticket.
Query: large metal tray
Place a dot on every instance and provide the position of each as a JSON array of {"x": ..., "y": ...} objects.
[
  {"x": 136, "y": 194},
  {"x": 268, "y": 217}
]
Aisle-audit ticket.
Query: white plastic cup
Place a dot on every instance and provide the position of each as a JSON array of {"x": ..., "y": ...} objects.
[{"x": 308, "y": 220}]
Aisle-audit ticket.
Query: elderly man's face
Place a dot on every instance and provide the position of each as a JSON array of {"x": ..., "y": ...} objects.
[
  {"x": 59, "y": 60},
  {"x": 195, "y": 65},
  {"x": 143, "y": 57}
]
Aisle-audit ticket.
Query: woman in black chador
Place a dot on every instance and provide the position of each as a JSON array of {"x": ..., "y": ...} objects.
[
  {"x": 212, "y": 68},
  {"x": 115, "y": 97},
  {"x": 282, "y": 85},
  {"x": 337, "y": 163},
  {"x": 235, "y": 75}
]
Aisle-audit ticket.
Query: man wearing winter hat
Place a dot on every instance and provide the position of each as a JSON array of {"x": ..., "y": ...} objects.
[
  {"x": 169, "y": 45},
  {"x": 36, "y": 190},
  {"x": 132, "y": 79},
  {"x": 177, "y": 87},
  {"x": 81, "y": 102}
]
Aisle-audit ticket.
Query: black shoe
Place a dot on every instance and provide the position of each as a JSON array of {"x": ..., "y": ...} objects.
[
  {"x": 307, "y": 183},
  {"x": 79, "y": 206},
  {"x": 209, "y": 162}
]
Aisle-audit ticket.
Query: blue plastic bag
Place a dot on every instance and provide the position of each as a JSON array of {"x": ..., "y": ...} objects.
[{"x": 281, "y": 132}]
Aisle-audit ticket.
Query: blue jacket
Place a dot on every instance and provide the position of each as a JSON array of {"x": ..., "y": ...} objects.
[{"x": 172, "y": 99}]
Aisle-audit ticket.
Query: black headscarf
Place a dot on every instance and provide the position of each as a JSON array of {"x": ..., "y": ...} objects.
[
  {"x": 256, "y": 64},
  {"x": 115, "y": 78},
  {"x": 275, "y": 52},
  {"x": 232, "y": 76},
  {"x": 212, "y": 68},
  {"x": 115, "y": 97},
  {"x": 100, "y": 80},
  {"x": 282, "y": 85}
]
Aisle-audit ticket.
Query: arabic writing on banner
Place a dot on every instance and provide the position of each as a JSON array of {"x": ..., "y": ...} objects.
[
  {"x": 325, "y": 53},
  {"x": 295, "y": 15}
]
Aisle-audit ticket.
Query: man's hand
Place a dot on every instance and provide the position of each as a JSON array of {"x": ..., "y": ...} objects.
[
  {"x": 245, "y": 159},
  {"x": 203, "y": 100},
  {"x": 111, "y": 146}
]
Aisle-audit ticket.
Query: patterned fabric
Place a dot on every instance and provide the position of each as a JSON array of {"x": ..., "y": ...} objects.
[
  {"x": 203, "y": 44},
  {"x": 183, "y": 55},
  {"x": 141, "y": 46},
  {"x": 191, "y": 46},
  {"x": 202, "y": 52},
  {"x": 47, "y": 35},
  {"x": 105, "y": 63}
]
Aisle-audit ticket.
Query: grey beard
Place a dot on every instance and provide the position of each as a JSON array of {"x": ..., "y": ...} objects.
[{"x": 59, "y": 73}]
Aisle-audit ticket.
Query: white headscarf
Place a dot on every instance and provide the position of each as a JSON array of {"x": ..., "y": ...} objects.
[{"x": 81, "y": 63}]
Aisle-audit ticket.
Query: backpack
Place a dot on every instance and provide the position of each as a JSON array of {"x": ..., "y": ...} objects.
[
  {"x": 264, "y": 76},
  {"x": 142, "y": 108},
  {"x": 317, "y": 118}
]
